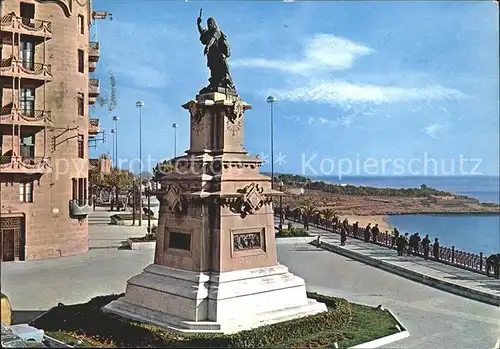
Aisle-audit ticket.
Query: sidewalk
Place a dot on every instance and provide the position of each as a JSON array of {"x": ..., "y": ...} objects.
[{"x": 444, "y": 277}]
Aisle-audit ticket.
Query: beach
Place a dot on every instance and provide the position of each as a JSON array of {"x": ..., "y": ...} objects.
[{"x": 382, "y": 222}]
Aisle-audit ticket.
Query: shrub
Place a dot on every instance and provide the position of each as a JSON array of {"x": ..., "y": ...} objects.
[
  {"x": 88, "y": 320},
  {"x": 294, "y": 232},
  {"x": 151, "y": 236}
]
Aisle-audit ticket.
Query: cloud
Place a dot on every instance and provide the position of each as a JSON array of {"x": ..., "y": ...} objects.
[
  {"x": 344, "y": 94},
  {"x": 344, "y": 121},
  {"x": 433, "y": 130},
  {"x": 322, "y": 52}
]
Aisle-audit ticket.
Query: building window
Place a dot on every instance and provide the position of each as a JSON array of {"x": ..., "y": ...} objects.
[
  {"x": 26, "y": 192},
  {"x": 27, "y": 10},
  {"x": 81, "y": 24},
  {"x": 81, "y": 105},
  {"x": 79, "y": 190},
  {"x": 27, "y": 145},
  {"x": 81, "y": 149},
  {"x": 28, "y": 101},
  {"x": 81, "y": 62},
  {"x": 27, "y": 54}
]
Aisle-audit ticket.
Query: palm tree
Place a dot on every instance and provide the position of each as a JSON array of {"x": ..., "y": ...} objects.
[
  {"x": 308, "y": 213},
  {"x": 328, "y": 214}
]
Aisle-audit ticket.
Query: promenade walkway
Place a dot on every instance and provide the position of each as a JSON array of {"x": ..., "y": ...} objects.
[{"x": 441, "y": 276}]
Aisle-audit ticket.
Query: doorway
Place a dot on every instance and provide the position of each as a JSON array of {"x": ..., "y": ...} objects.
[{"x": 12, "y": 239}]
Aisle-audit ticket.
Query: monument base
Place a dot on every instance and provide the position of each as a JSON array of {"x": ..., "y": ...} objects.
[{"x": 185, "y": 301}]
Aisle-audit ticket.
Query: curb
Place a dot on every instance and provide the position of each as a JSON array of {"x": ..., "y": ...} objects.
[
  {"x": 387, "y": 339},
  {"x": 297, "y": 240},
  {"x": 143, "y": 245},
  {"x": 458, "y": 290}
]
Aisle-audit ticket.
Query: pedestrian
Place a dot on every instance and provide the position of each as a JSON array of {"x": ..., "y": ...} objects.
[
  {"x": 426, "y": 242},
  {"x": 435, "y": 249},
  {"x": 407, "y": 244},
  {"x": 375, "y": 233},
  {"x": 368, "y": 230},
  {"x": 394, "y": 237},
  {"x": 400, "y": 244},
  {"x": 355, "y": 229},
  {"x": 343, "y": 236},
  {"x": 416, "y": 244},
  {"x": 493, "y": 263}
]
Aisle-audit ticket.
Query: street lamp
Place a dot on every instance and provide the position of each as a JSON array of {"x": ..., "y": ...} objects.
[
  {"x": 174, "y": 126},
  {"x": 139, "y": 105},
  {"x": 281, "y": 205},
  {"x": 271, "y": 100},
  {"x": 113, "y": 131},
  {"x": 115, "y": 120}
]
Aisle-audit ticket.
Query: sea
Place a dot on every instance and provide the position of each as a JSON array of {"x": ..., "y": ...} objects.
[{"x": 467, "y": 232}]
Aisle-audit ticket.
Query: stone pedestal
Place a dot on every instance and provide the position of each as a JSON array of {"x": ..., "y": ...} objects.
[{"x": 215, "y": 267}]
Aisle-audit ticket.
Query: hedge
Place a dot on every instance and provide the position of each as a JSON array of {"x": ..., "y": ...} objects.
[
  {"x": 293, "y": 232},
  {"x": 89, "y": 320}
]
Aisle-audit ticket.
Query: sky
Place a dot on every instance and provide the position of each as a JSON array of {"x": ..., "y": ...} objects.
[{"x": 362, "y": 88}]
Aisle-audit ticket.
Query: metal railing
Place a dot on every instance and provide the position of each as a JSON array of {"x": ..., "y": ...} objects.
[
  {"x": 447, "y": 255},
  {"x": 94, "y": 45},
  {"x": 24, "y": 162},
  {"x": 30, "y": 24},
  {"x": 28, "y": 67},
  {"x": 94, "y": 122}
]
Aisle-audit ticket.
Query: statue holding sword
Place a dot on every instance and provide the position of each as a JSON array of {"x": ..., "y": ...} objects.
[{"x": 217, "y": 51}]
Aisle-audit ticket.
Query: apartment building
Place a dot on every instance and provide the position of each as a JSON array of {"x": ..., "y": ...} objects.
[{"x": 46, "y": 58}]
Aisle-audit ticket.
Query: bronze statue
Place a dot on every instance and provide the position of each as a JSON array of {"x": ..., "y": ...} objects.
[{"x": 217, "y": 51}]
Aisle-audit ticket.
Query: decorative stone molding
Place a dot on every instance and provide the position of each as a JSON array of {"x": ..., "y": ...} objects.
[
  {"x": 195, "y": 111},
  {"x": 173, "y": 198},
  {"x": 252, "y": 200},
  {"x": 247, "y": 241}
]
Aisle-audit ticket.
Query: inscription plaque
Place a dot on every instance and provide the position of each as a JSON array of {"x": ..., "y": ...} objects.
[{"x": 179, "y": 241}]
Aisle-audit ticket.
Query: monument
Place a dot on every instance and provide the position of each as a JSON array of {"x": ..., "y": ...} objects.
[{"x": 215, "y": 266}]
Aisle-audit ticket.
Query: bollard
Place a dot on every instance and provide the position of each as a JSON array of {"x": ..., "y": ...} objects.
[
  {"x": 452, "y": 254},
  {"x": 317, "y": 242}
]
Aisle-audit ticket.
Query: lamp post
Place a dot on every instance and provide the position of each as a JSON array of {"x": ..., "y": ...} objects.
[
  {"x": 139, "y": 105},
  {"x": 148, "y": 193},
  {"x": 174, "y": 126},
  {"x": 271, "y": 100},
  {"x": 281, "y": 205},
  {"x": 113, "y": 132},
  {"x": 115, "y": 120}
]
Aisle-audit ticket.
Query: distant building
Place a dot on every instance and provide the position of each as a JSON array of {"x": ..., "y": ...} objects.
[
  {"x": 295, "y": 191},
  {"x": 45, "y": 88}
]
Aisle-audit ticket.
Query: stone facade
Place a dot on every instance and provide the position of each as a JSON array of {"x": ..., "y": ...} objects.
[
  {"x": 45, "y": 127},
  {"x": 215, "y": 266}
]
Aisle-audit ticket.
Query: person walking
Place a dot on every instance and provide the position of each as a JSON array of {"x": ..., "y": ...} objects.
[
  {"x": 416, "y": 244},
  {"x": 368, "y": 231},
  {"x": 394, "y": 238},
  {"x": 435, "y": 249},
  {"x": 343, "y": 236},
  {"x": 407, "y": 244},
  {"x": 375, "y": 233},
  {"x": 400, "y": 244},
  {"x": 426, "y": 242}
]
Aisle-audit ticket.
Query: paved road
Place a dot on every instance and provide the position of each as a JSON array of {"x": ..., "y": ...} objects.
[
  {"x": 454, "y": 276},
  {"x": 434, "y": 318}
]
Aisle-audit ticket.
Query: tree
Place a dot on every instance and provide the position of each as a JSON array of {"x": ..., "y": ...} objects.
[
  {"x": 119, "y": 179},
  {"x": 328, "y": 214},
  {"x": 161, "y": 168}
]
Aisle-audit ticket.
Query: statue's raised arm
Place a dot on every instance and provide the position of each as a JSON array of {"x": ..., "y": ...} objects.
[{"x": 217, "y": 51}]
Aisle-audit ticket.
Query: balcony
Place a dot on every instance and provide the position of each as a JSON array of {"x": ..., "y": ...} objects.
[
  {"x": 79, "y": 209},
  {"x": 11, "y": 67},
  {"x": 10, "y": 115},
  {"x": 27, "y": 26},
  {"x": 94, "y": 54},
  {"x": 93, "y": 127},
  {"x": 24, "y": 165},
  {"x": 94, "y": 90}
]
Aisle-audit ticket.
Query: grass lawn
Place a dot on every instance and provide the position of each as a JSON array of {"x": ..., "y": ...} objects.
[{"x": 345, "y": 323}]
